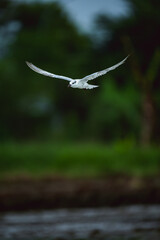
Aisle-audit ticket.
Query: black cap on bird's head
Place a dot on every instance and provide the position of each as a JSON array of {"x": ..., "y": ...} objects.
[{"x": 72, "y": 83}]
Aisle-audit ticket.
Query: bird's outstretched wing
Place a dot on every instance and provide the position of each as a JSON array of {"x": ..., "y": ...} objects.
[
  {"x": 100, "y": 73},
  {"x": 38, "y": 70}
]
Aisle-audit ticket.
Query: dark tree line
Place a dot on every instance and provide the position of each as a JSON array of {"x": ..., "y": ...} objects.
[{"x": 127, "y": 103}]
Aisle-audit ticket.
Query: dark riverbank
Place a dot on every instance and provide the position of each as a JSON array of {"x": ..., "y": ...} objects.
[{"x": 49, "y": 193}]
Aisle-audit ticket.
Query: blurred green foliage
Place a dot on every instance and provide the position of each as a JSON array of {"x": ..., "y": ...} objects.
[
  {"x": 31, "y": 104},
  {"x": 34, "y": 107},
  {"x": 78, "y": 160},
  {"x": 139, "y": 35}
]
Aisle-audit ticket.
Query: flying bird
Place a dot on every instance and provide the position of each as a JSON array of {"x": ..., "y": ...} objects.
[{"x": 77, "y": 83}]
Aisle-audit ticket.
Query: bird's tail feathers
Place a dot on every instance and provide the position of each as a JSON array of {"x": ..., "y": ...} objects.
[{"x": 91, "y": 86}]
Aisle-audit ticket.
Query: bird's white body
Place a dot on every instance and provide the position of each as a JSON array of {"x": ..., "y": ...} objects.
[{"x": 77, "y": 83}]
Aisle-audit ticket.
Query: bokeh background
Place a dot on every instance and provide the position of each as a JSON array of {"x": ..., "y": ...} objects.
[{"x": 47, "y": 128}]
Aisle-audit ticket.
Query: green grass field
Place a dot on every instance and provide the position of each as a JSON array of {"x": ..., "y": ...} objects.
[{"x": 78, "y": 160}]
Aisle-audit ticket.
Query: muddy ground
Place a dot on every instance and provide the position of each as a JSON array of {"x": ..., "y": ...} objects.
[{"x": 25, "y": 193}]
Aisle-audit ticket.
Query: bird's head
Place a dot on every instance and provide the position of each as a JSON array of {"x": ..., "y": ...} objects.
[{"x": 72, "y": 83}]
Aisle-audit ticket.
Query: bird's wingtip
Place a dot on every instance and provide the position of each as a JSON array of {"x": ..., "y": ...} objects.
[
  {"x": 126, "y": 58},
  {"x": 28, "y": 63}
]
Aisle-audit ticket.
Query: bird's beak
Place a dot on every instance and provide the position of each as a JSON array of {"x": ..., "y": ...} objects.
[{"x": 69, "y": 85}]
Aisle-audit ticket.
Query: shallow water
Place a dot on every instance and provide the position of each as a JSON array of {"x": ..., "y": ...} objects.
[{"x": 131, "y": 222}]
